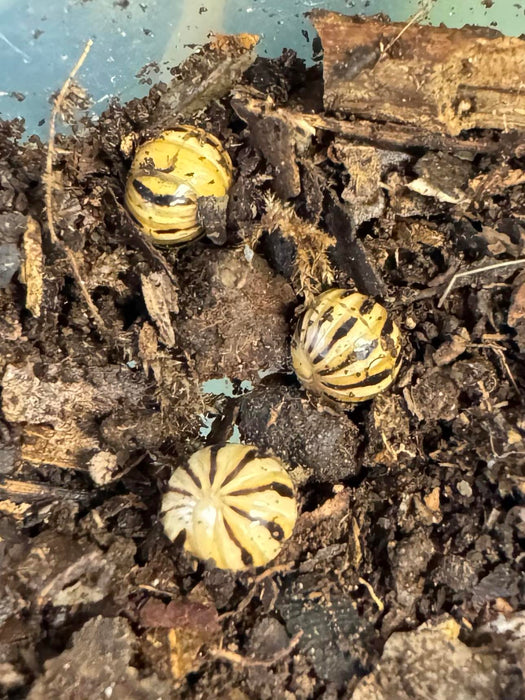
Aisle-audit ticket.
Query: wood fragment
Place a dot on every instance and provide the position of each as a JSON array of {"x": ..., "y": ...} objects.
[
  {"x": 33, "y": 266},
  {"x": 436, "y": 78},
  {"x": 14, "y": 510},
  {"x": 65, "y": 446},
  {"x": 29, "y": 492},
  {"x": 205, "y": 76},
  {"x": 387, "y": 136},
  {"x": 160, "y": 297},
  {"x": 516, "y": 313},
  {"x": 282, "y": 135}
]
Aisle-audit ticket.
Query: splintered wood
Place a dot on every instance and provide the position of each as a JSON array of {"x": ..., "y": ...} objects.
[
  {"x": 214, "y": 70},
  {"x": 33, "y": 266},
  {"x": 435, "y": 78}
]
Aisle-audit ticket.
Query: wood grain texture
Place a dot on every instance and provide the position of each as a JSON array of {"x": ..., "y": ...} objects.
[{"x": 436, "y": 78}]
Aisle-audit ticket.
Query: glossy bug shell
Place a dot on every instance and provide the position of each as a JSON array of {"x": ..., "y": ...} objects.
[
  {"x": 346, "y": 347},
  {"x": 167, "y": 176},
  {"x": 236, "y": 505}
]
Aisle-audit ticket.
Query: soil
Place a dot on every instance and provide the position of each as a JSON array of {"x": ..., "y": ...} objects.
[{"x": 404, "y": 576}]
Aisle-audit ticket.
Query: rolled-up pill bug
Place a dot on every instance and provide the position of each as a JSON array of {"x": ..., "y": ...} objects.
[
  {"x": 346, "y": 347},
  {"x": 168, "y": 174},
  {"x": 236, "y": 505}
]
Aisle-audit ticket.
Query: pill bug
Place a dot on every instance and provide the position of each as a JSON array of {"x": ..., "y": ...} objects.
[
  {"x": 168, "y": 174},
  {"x": 236, "y": 505},
  {"x": 346, "y": 347}
]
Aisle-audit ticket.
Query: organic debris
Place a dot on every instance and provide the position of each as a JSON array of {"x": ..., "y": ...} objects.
[{"x": 402, "y": 176}]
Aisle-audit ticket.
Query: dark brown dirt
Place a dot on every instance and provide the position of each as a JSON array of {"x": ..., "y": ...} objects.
[{"x": 409, "y": 545}]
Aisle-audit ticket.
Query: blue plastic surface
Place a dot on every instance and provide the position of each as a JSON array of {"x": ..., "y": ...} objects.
[{"x": 40, "y": 40}]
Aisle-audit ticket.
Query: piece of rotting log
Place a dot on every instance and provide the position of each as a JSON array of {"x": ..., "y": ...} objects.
[{"x": 435, "y": 78}]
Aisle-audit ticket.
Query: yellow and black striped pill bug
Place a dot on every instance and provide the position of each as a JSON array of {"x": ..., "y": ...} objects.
[
  {"x": 168, "y": 174},
  {"x": 346, "y": 347},
  {"x": 236, "y": 505}
]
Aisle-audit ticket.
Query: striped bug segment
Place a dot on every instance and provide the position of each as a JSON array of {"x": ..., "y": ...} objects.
[
  {"x": 346, "y": 347},
  {"x": 168, "y": 174},
  {"x": 235, "y": 505}
]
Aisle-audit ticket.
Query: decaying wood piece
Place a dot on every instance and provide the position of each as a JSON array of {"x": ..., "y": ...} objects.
[
  {"x": 285, "y": 153},
  {"x": 19, "y": 491},
  {"x": 436, "y": 78},
  {"x": 282, "y": 135},
  {"x": 160, "y": 297},
  {"x": 206, "y": 75},
  {"x": 60, "y": 411},
  {"x": 33, "y": 266},
  {"x": 391, "y": 136},
  {"x": 66, "y": 445}
]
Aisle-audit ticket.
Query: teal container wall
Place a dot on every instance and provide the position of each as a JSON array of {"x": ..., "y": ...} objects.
[{"x": 40, "y": 40}]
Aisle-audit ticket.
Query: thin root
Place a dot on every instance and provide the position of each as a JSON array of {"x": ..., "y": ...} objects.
[
  {"x": 232, "y": 657},
  {"x": 377, "y": 601},
  {"x": 467, "y": 273}
]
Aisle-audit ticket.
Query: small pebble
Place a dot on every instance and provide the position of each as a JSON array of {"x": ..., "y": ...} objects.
[{"x": 464, "y": 488}]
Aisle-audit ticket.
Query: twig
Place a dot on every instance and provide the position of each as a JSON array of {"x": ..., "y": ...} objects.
[
  {"x": 467, "y": 273},
  {"x": 57, "y": 108},
  {"x": 234, "y": 658},
  {"x": 49, "y": 184},
  {"x": 417, "y": 16}
]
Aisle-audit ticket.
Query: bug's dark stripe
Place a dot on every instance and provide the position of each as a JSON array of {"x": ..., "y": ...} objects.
[
  {"x": 167, "y": 170},
  {"x": 343, "y": 330},
  {"x": 246, "y": 557},
  {"x": 251, "y": 454},
  {"x": 326, "y": 316},
  {"x": 300, "y": 328},
  {"x": 176, "y": 507},
  {"x": 172, "y": 230},
  {"x": 182, "y": 492},
  {"x": 274, "y": 529},
  {"x": 211, "y": 140},
  {"x": 313, "y": 340},
  {"x": 189, "y": 471},
  {"x": 320, "y": 357},
  {"x": 213, "y": 462},
  {"x": 372, "y": 380},
  {"x": 160, "y": 200},
  {"x": 281, "y": 489},
  {"x": 346, "y": 294},
  {"x": 367, "y": 306},
  {"x": 387, "y": 328},
  {"x": 244, "y": 513},
  {"x": 332, "y": 370}
]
